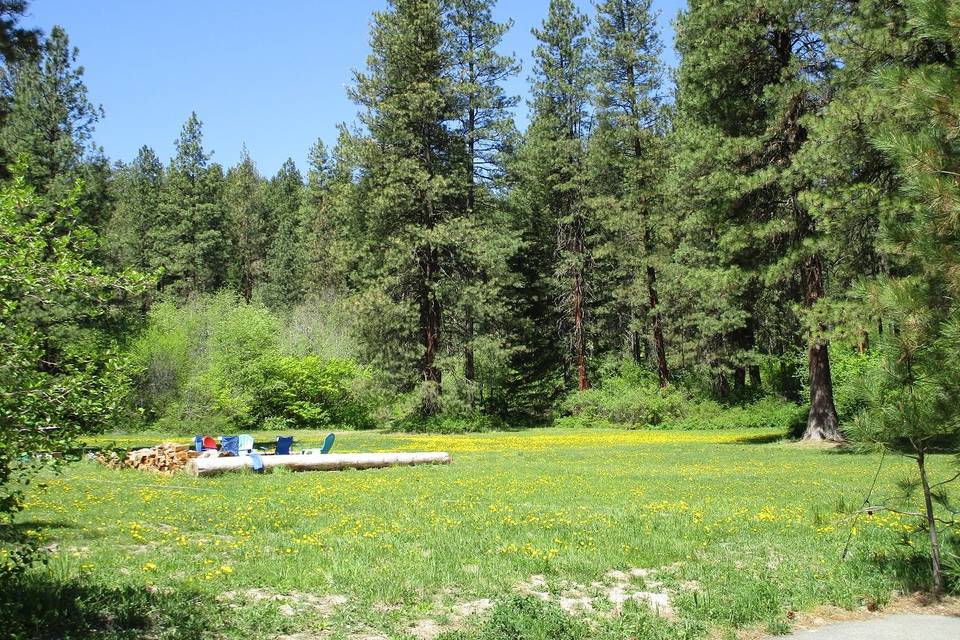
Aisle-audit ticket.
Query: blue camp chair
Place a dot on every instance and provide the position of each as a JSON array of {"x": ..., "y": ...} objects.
[
  {"x": 198, "y": 443},
  {"x": 284, "y": 443},
  {"x": 230, "y": 444},
  {"x": 327, "y": 443}
]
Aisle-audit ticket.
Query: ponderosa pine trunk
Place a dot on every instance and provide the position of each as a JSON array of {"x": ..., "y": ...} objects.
[
  {"x": 579, "y": 334},
  {"x": 822, "y": 423},
  {"x": 663, "y": 373},
  {"x": 430, "y": 325}
]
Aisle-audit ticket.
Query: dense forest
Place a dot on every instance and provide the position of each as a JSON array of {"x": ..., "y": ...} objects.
[{"x": 766, "y": 223}]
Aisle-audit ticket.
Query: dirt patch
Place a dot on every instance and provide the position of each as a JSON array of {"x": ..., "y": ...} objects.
[
  {"x": 466, "y": 609},
  {"x": 427, "y": 629},
  {"x": 289, "y": 603},
  {"x": 615, "y": 588}
]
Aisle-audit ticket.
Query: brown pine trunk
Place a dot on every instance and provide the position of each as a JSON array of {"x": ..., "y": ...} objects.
[
  {"x": 469, "y": 368},
  {"x": 430, "y": 326},
  {"x": 931, "y": 526},
  {"x": 822, "y": 423},
  {"x": 579, "y": 335},
  {"x": 721, "y": 385},
  {"x": 469, "y": 372},
  {"x": 663, "y": 373},
  {"x": 755, "y": 376}
]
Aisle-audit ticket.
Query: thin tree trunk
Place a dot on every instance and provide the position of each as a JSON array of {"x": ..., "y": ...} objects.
[
  {"x": 469, "y": 369},
  {"x": 579, "y": 336},
  {"x": 658, "y": 345},
  {"x": 822, "y": 423},
  {"x": 932, "y": 526},
  {"x": 430, "y": 325},
  {"x": 755, "y": 380}
]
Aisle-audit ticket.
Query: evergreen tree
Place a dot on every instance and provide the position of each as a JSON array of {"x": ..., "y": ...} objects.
[
  {"x": 286, "y": 259},
  {"x": 555, "y": 220},
  {"x": 134, "y": 229},
  {"x": 626, "y": 154},
  {"x": 484, "y": 121},
  {"x": 751, "y": 78},
  {"x": 194, "y": 248},
  {"x": 917, "y": 394},
  {"x": 404, "y": 203},
  {"x": 16, "y": 42},
  {"x": 247, "y": 215},
  {"x": 317, "y": 212},
  {"x": 49, "y": 127}
]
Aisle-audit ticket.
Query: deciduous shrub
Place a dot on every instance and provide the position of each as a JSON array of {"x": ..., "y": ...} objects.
[{"x": 217, "y": 363}]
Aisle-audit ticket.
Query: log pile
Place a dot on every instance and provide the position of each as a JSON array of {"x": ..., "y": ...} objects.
[{"x": 167, "y": 457}]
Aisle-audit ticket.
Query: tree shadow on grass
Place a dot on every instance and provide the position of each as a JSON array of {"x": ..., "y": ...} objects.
[
  {"x": 760, "y": 438},
  {"x": 39, "y": 607},
  {"x": 911, "y": 565}
]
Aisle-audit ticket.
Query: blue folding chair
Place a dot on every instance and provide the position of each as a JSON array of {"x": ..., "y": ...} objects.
[
  {"x": 284, "y": 443},
  {"x": 327, "y": 443},
  {"x": 230, "y": 444}
]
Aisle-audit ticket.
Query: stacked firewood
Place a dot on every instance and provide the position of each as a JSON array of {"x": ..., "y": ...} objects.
[{"x": 166, "y": 457}]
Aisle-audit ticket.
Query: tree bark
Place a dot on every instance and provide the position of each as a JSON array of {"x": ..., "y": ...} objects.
[
  {"x": 931, "y": 526},
  {"x": 822, "y": 423},
  {"x": 663, "y": 373},
  {"x": 579, "y": 335},
  {"x": 430, "y": 325}
]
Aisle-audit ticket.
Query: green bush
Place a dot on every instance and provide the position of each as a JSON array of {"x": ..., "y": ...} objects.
[
  {"x": 311, "y": 393},
  {"x": 631, "y": 396},
  {"x": 217, "y": 363}
]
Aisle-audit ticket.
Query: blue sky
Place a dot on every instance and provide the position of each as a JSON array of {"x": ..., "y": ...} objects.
[{"x": 268, "y": 75}]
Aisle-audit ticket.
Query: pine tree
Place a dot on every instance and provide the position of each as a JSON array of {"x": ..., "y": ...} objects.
[
  {"x": 915, "y": 397},
  {"x": 556, "y": 138},
  {"x": 404, "y": 196},
  {"x": 49, "y": 127},
  {"x": 194, "y": 250},
  {"x": 133, "y": 232},
  {"x": 485, "y": 123},
  {"x": 751, "y": 78},
  {"x": 626, "y": 150},
  {"x": 286, "y": 259},
  {"x": 247, "y": 217},
  {"x": 16, "y": 43}
]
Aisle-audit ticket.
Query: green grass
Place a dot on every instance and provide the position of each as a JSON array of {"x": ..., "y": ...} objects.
[{"x": 736, "y": 528}]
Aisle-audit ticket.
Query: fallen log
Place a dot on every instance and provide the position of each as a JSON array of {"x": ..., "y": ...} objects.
[{"x": 315, "y": 462}]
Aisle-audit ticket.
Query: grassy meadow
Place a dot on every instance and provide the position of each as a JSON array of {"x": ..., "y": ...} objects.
[{"x": 553, "y": 533}]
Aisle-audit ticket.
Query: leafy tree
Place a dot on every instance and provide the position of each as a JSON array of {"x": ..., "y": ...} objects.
[
  {"x": 60, "y": 372},
  {"x": 248, "y": 217},
  {"x": 194, "y": 249},
  {"x": 917, "y": 395}
]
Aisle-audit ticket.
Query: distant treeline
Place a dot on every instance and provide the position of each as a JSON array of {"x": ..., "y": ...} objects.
[{"x": 711, "y": 235}]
